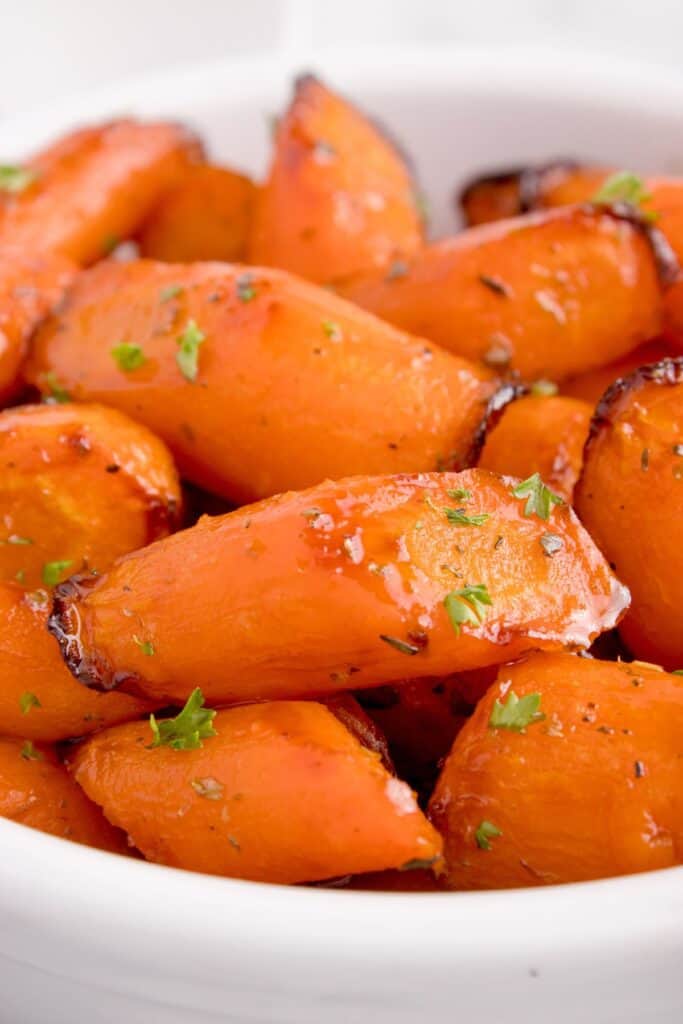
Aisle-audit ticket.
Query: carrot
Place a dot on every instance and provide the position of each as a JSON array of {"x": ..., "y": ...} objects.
[
  {"x": 590, "y": 387},
  {"x": 540, "y": 434},
  {"x": 592, "y": 789},
  {"x": 550, "y": 294},
  {"x": 94, "y": 187},
  {"x": 206, "y": 217},
  {"x": 491, "y": 197},
  {"x": 344, "y": 586},
  {"x": 39, "y": 698},
  {"x": 30, "y": 287},
  {"x": 630, "y": 497},
  {"x": 339, "y": 198},
  {"x": 282, "y": 792},
  {"x": 80, "y": 485},
  {"x": 352, "y": 716},
  {"x": 37, "y": 791},
  {"x": 260, "y": 382}
]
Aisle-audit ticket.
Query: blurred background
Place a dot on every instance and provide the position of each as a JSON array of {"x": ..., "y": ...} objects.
[{"x": 51, "y": 49}]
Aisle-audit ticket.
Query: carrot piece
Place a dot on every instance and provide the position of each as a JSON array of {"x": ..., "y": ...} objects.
[
  {"x": 492, "y": 197},
  {"x": 95, "y": 187},
  {"x": 278, "y": 384},
  {"x": 630, "y": 497},
  {"x": 39, "y": 698},
  {"x": 593, "y": 789},
  {"x": 590, "y": 387},
  {"x": 30, "y": 287},
  {"x": 352, "y": 716},
  {"x": 282, "y": 793},
  {"x": 206, "y": 217},
  {"x": 540, "y": 434},
  {"x": 340, "y": 587},
  {"x": 550, "y": 294},
  {"x": 339, "y": 198},
  {"x": 80, "y": 485},
  {"x": 37, "y": 791}
]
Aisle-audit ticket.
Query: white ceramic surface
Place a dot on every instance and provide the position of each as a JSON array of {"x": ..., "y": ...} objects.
[{"x": 86, "y": 936}]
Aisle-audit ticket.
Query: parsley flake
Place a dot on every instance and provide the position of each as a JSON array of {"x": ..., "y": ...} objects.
[
  {"x": 27, "y": 701},
  {"x": 459, "y": 494},
  {"x": 15, "y": 179},
  {"x": 544, "y": 388},
  {"x": 539, "y": 498},
  {"x": 400, "y": 645},
  {"x": 245, "y": 287},
  {"x": 171, "y": 291},
  {"x": 54, "y": 571},
  {"x": 128, "y": 356},
  {"x": 189, "y": 727},
  {"x": 467, "y": 605},
  {"x": 486, "y": 831},
  {"x": 146, "y": 646},
  {"x": 29, "y": 752},
  {"x": 187, "y": 357},
  {"x": 332, "y": 330},
  {"x": 624, "y": 187},
  {"x": 57, "y": 393},
  {"x": 517, "y": 712},
  {"x": 420, "y": 863}
]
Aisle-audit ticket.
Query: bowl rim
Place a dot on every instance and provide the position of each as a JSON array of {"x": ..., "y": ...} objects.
[{"x": 140, "y": 900}]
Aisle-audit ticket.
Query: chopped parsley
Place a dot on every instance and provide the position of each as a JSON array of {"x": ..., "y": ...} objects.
[
  {"x": 146, "y": 646},
  {"x": 517, "y": 712},
  {"x": 15, "y": 179},
  {"x": 54, "y": 571},
  {"x": 189, "y": 727},
  {"x": 245, "y": 288},
  {"x": 400, "y": 645},
  {"x": 187, "y": 357},
  {"x": 128, "y": 356},
  {"x": 458, "y": 516},
  {"x": 332, "y": 330},
  {"x": 539, "y": 498},
  {"x": 420, "y": 863},
  {"x": 467, "y": 605},
  {"x": 57, "y": 393},
  {"x": 624, "y": 187},
  {"x": 171, "y": 291},
  {"x": 544, "y": 388},
  {"x": 27, "y": 701},
  {"x": 29, "y": 752},
  {"x": 486, "y": 831},
  {"x": 459, "y": 494}
]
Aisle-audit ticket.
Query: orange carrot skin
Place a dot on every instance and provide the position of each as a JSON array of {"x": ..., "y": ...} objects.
[
  {"x": 593, "y": 790},
  {"x": 550, "y": 294},
  {"x": 39, "y": 699},
  {"x": 283, "y": 793},
  {"x": 540, "y": 434},
  {"x": 292, "y": 384},
  {"x": 590, "y": 387},
  {"x": 339, "y": 198},
  {"x": 630, "y": 497},
  {"x": 30, "y": 287},
  {"x": 207, "y": 217},
  {"x": 80, "y": 484},
  {"x": 37, "y": 791},
  {"x": 292, "y": 597},
  {"x": 95, "y": 187}
]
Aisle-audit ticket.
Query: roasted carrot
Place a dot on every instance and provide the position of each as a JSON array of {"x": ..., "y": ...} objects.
[
  {"x": 550, "y": 294},
  {"x": 540, "y": 434},
  {"x": 590, "y": 387},
  {"x": 39, "y": 698},
  {"x": 207, "y": 217},
  {"x": 569, "y": 769},
  {"x": 37, "y": 791},
  {"x": 630, "y": 497},
  {"x": 276, "y": 792},
  {"x": 260, "y": 382},
  {"x": 491, "y": 197},
  {"x": 339, "y": 198},
  {"x": 30, "y": 287},
  {"x": 94, "y": 187},
  {"x": 344, "y": 586},
  {"x": 80, "y": 485}
]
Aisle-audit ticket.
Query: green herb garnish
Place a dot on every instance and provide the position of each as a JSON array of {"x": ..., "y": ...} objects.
[
  {"x": 544, "y": 388},
  {"x": 539, "y": 498},
  {"x": 29, "y": 752},
  {"x": 171, "y": 291},
  {"x": 245, "y": 288},
  {"x": 517, "y": 712},
  {"x": 128, "y": 356},
  {"x": 14, "y": 179},
  {"x": 624, "y": 187},
  {"x": 400, "y": 645},
  {"x": 27, "y": 701},
  {"x": 459, "y": 494},
  {"x": 187, "y": 357},
  {"x": 189, "y": 727},
  {"x": 53, "y": 571},
  {"x": 57, "y": 392},
  {"x": 467, "y": 605},
  {"x": 486, "y": 831},
  {"x": 146, "y": 646},
  {"x": 332, "y": 330}
]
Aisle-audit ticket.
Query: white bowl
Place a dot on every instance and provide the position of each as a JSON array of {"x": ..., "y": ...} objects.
[{"x": 89, "y": 936}]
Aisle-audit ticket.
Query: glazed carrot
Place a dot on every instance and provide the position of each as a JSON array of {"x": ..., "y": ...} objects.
[
  {"x": 37, "y": 791},
  {"x": 592, "y": 789},
  {"x": 339, "y": 198},
  {"x": 590, "y": 387},
  {"x": 491, "y": 197},
  {"x": 95, "y": 187},
  {"x": 344, "y": 586},
  {"x": 206, "y": 217},
  {"x": 39, "y": 698},
  {"x": 260, "y": 382},
  {"x": 549, "y": 295},
  {"x": 30, "y": 287},
  {"x": 281, "y": 793},
  {"x": 540, "y": 434},
  {"x": 79, "y": 486},
  {"x": 630, "y": 497}
]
